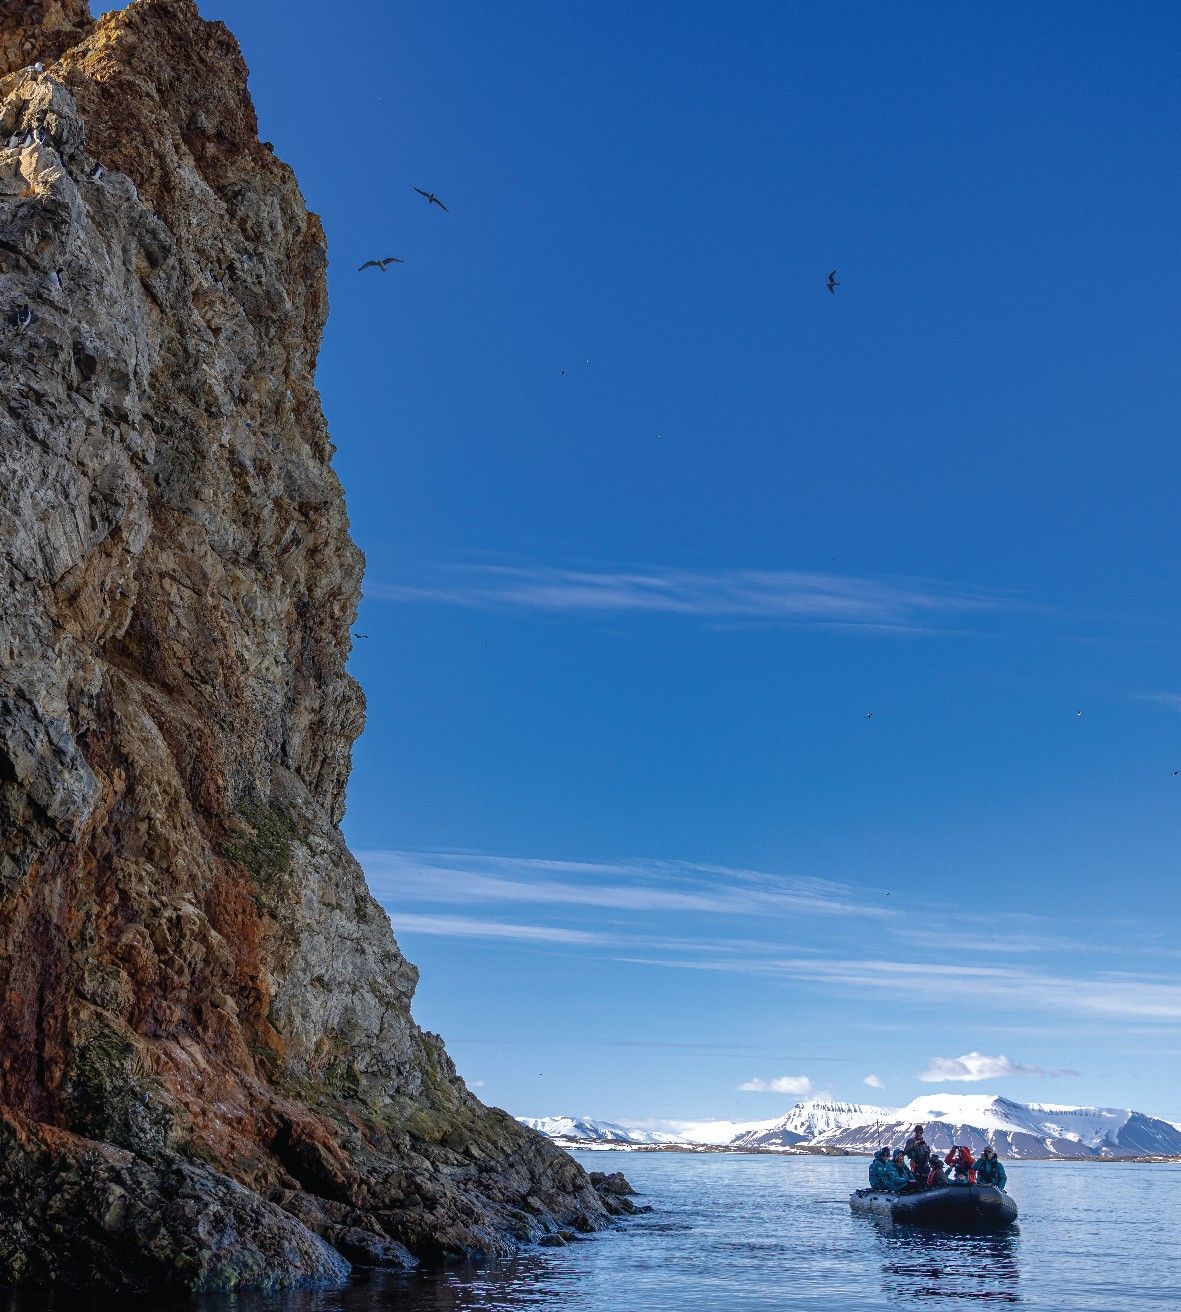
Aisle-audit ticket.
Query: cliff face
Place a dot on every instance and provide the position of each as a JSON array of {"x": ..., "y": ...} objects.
[{"x": 209, "y": 1073}]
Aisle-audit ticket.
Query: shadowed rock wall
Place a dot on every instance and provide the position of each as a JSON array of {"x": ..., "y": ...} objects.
[{"x": 207, "y": 1058}]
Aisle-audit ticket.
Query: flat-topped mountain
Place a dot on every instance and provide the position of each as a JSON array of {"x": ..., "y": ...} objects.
[
  {"x": 1014, "y": 1129},
  {"x": 581, "y": 1129}
]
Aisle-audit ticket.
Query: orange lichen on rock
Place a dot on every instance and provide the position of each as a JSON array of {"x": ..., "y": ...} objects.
[{"x": 204, "y": 1017}]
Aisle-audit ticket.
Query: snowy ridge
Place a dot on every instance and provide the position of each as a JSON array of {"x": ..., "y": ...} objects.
[
  {"x": 586, "y": 1130},
  {"x": 1014, "y": 1129},
  {"x": 583, "y": 1129},
  {"x": 809, "y": 1121}
]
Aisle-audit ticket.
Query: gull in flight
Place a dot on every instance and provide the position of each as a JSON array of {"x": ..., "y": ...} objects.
[
  {"x": 380, "y": 264},
  {"x": 832, "y": 283},
  {"x": 432, "y": 199}
]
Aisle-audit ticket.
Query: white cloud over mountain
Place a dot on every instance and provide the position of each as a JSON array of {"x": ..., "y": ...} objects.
[
  {"x": 975, "y": 1066},
  {"x": 800, "y": 1085}
]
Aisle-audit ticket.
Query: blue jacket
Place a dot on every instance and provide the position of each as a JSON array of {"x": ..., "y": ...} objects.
[
  {"x": 990, "y": 1170},
  {"x": 898, "y": 1176},
  {"x": 881, "y": 1174}
]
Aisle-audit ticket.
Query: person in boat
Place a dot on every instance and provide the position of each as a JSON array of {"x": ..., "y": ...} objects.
[
  {"x": 937, "y": 1175},
  {"x": 918, "y": 1153},
  {"x": 879, "y": 1170},
  {"x": 990, "y": 1169},
  {"x": 962, "y": 1163},
  {"x": 901, "y": 1176}
]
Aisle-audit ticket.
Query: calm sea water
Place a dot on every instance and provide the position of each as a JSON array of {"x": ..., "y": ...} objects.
[{"x": 775, "y": 1233}]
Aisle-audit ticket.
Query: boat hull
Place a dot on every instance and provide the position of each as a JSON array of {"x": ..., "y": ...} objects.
[{"x": 971, "y": 1208}]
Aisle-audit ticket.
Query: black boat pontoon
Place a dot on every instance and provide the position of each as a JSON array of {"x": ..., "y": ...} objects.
[{"x": 973, "y": 1208}]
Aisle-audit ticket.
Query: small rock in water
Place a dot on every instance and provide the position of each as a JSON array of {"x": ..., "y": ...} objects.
[{"x": 614, "y": 1183}]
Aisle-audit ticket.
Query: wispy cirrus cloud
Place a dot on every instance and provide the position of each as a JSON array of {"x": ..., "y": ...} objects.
[
  {"x": 696, "y": 916},
  {"x": 634, "y": 885},
  {"x": 778, "y": 596},
  {"x": 472, "y": 927},
  {"x": 974, "y": 1067},
  {"x": 1107, "y": 995},
  {"x": 1170, "y": 699}
]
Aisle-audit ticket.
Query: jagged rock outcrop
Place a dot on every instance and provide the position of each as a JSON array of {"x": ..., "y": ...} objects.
[{"x": 209, "y": 1074}]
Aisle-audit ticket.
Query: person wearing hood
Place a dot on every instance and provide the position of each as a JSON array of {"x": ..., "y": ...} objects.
[
  {"x": 901, "y": 1176},
  {"x": 990, "y": 1169},
  {"x": 880, "y": 1175}
]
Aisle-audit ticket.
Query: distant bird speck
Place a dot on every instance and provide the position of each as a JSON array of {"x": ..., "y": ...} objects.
[
  {"x": 432, "y": 199},
  {"x": 360, "y": 635},
  {"x": 832, "y": 283},
  {"x": 869, "y": 715},
  {"x": 380, "y": 264},
  {"x": 1078, "y": 712}
]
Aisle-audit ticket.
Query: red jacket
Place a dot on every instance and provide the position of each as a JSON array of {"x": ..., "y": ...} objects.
[{"x": 961, "y": 1158}]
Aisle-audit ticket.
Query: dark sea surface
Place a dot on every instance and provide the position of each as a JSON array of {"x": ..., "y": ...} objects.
[{"x": 741, "y": 1233}]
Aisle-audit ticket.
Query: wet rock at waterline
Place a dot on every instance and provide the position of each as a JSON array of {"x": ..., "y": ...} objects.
[{"x": 209, "y": 1074}]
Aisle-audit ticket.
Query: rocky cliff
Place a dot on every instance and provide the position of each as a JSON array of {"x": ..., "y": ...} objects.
[{"x": 209, "y": 1074}]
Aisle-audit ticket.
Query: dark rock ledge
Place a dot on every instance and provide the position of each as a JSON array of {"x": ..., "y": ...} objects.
[{"x": 210, "y": 1076}]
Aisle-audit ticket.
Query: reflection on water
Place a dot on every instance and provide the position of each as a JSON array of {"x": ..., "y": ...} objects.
[
  {"x": 926, "y": 1265},
  {"x": 774, "y": 1234}
]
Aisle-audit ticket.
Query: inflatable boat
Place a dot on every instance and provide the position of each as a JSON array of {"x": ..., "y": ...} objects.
[{"x": 973, "y": 1208}]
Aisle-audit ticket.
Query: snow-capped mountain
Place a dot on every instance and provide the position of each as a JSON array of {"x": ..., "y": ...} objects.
[
  {"x": 585, "y": 1130},
  {"x": 1014, "y": 1129},
  {"x": 810, "y": 1120},
  {"x": 582, "y": 1129}
]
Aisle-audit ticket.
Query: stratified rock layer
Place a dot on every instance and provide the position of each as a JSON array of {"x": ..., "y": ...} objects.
[{"x": 208, "y": 1066}]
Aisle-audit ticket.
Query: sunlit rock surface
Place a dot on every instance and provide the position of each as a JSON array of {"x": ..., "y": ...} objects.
[{"x": 209, "y": 1075}]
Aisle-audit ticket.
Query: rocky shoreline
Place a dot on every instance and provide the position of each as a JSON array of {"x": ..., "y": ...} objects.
[{"x": 210, "y": 1077}]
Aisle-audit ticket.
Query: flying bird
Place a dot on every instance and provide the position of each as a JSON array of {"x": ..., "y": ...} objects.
[
  {"x": 432, "y": 199},
  {"x": 380, "y": 264},
  {"x": 1078, "y": 712},
  {"x": 869, "y": 715},
  {"x": 360, "y": 635},
  {"x": 832, "y": 283}
]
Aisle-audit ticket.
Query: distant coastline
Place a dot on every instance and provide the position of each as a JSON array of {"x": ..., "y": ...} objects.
[
  {"x": 826, "y": 1127},
  {"x": 689, "y": 1149}
]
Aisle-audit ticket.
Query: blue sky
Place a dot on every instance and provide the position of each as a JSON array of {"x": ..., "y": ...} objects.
[{"x": 726, "y": 639}]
